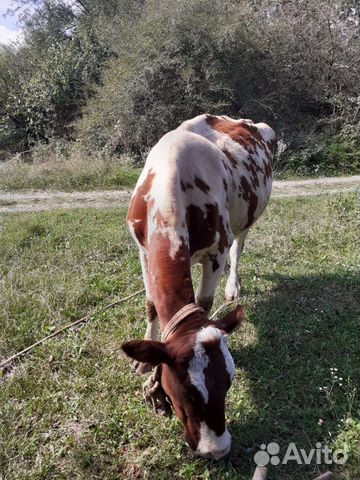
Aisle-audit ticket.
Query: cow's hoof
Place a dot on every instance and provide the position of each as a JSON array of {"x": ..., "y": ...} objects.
[
  {"x": 141, "y": 368},
  {"x": 232, "y": 292}
]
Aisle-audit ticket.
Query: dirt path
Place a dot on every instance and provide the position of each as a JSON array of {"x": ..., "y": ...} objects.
[{"x": 28, "y": 201}]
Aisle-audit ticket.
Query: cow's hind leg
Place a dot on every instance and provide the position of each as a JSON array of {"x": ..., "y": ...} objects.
[
  {"x": 232, "y": 289},
  {"x": 152, "y": 327},
  {"x": 213, "y": 266}
]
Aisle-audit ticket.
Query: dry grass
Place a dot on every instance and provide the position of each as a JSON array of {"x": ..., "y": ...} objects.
[{"x": 67, "y": 170}]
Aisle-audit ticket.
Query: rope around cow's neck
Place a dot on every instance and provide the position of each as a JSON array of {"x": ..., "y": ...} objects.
[{"x": 175, "y": 322}]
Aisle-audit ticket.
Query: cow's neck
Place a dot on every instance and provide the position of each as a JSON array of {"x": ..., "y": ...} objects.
[{"x": 169, "y": 277}]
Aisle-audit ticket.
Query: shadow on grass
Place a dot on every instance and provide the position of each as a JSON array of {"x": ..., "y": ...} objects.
[{"x": 307, "y": 326}]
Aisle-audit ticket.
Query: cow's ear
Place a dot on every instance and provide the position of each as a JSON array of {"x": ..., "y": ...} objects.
[
  {"x": 147, "y": 351},
  {"x": 231, "y": 320}
]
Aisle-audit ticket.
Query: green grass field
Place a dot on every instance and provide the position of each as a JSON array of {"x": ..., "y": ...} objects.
[{"x": 73, "y": 409}]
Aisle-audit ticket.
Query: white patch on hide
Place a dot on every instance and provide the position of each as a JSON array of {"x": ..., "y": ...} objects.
[
  {"x": 207, "y": 334},
  {"x": 200, "y": 360},
  {"x": 229, "y": 362},
  {"x": 197, "y": 365},
  {"x": 267, "y": 133},
  {"x": 132, "y": 232}
]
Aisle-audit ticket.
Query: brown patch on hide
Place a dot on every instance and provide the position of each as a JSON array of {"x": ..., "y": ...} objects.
[
  {"x": 268, "y": 169},
  {"x": 226, "y": 167},
  {"x": 203, "y": 225},
  {"x": 202, "y": 185},
  {"x": 251, "y": 198},
  {"x": 186, "y": 186},
  {"x": 214, "y": 261},
  {"x": 216, "y": 374},
  {"x": 231, "y": 157},
  {"x": 241, "y": 132},
  {"x": 250, "y": 167},
  {"x": 169, "y": 276},
  {"x": 138, "y": 209},
  {"x": 200, "y": 227},
  {"x": 272, "y": 146},
  {"x": 224, "y": 240}
]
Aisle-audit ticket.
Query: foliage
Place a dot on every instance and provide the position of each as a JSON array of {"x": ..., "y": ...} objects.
[
  {"x": 292, "y": 64},
  {"x": 324, "y": 155},
  {"x": 48, "y": 79},
  {"x": 117, "y": 75}
]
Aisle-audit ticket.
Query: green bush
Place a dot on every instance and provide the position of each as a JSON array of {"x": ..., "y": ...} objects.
[
  {"x": 47, "y": 79},
  {"x": 116, "y": 75},
  {"x": 337, "y": 155},
  {"x": 191, "y": 57},
  {"x": 266, "y": 61}
]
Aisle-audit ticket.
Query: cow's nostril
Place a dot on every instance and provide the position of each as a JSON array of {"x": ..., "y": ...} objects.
[
  {"x": 221, "y": 453},
  {"x": 210, "y": 443},
  {"x": 216, "y": 455}
]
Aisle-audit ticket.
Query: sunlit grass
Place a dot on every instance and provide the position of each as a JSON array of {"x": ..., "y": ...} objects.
[{"x": 73, "y": 409}]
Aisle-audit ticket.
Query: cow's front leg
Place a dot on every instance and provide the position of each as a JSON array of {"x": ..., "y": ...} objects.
[
  {"x": 232, "y": 289},
  {"x": 152, "y": 327},
  {"x": 213, "y": 266}
]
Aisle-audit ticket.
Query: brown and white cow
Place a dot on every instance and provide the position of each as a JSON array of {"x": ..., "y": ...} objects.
[{"x": 202, "y": 187}]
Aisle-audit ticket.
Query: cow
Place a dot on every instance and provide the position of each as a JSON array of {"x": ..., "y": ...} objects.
[{"x": 202, "y": 187}]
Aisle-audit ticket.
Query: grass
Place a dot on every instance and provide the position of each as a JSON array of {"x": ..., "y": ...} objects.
[
  {"x": 76, "y": 173},
  {"x": 73, "y": 409}
]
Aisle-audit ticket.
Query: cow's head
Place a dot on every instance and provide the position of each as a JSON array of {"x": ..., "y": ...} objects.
[{"x": 197, "y": 371}]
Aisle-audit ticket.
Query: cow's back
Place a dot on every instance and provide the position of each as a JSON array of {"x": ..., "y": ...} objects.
[
  {"x": 203, "y": 183},
  {"x": 247, "y": 153},
  {"x": 180, "y": 192}
]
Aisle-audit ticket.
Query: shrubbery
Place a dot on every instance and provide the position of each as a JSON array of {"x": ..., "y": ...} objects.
[
  {"x": 324, "y": 155},
  {"x": 117, "y": 75},
  {"x": 286, "y": 63}
]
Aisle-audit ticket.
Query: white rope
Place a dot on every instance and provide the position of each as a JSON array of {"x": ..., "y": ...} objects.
[
  {"x": 66, "y": 327},
  {"x": 224, "y": 305}
]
